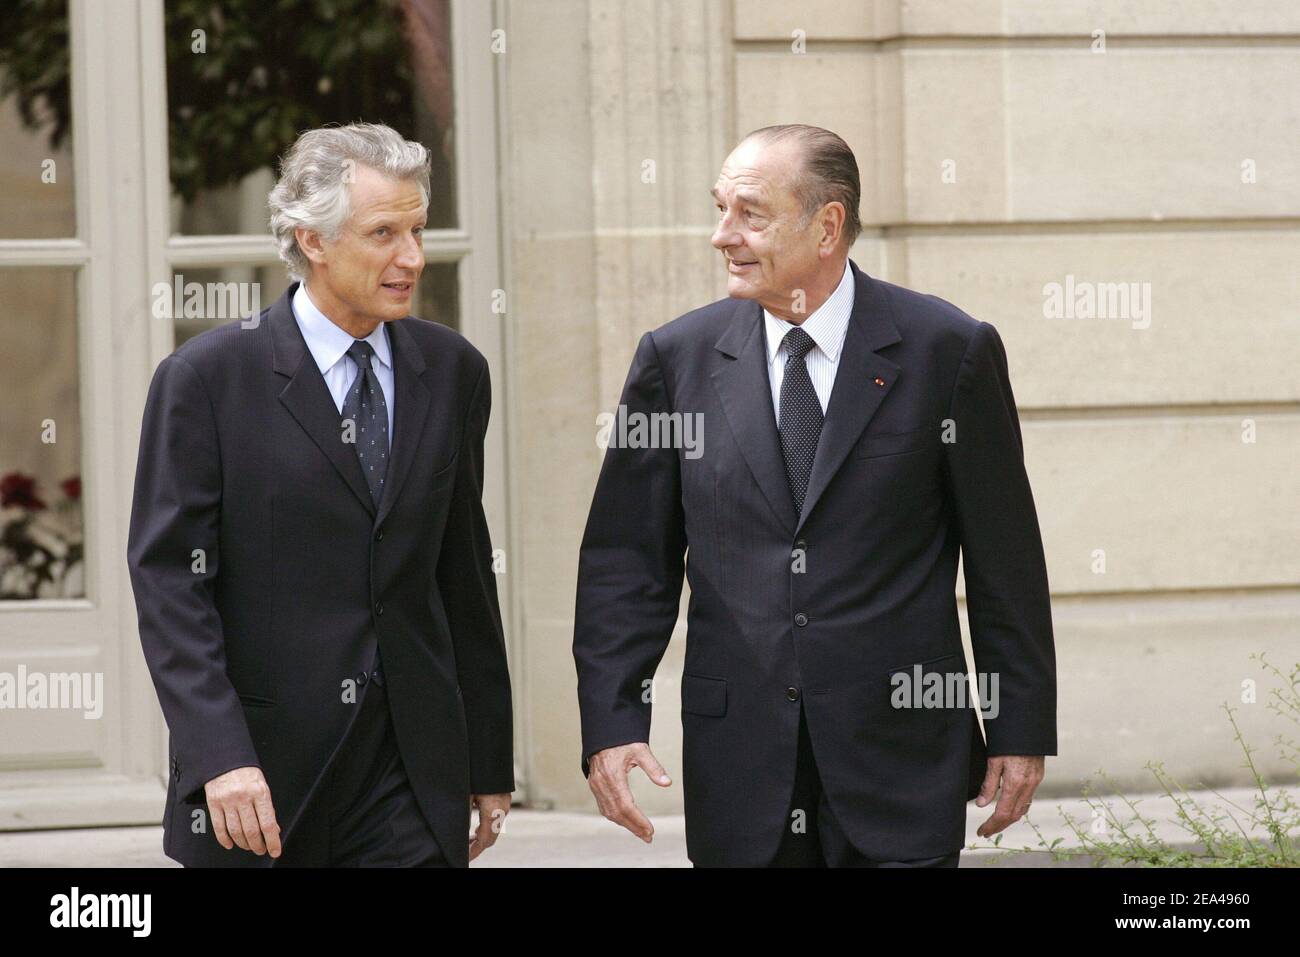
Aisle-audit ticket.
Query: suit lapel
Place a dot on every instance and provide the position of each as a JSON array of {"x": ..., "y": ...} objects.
[
  {"x": 308, "y": 398},
  {"x": 408, "y": 416},
  {"x": 856, "y": 395},
  {"x": 745, "y": 390}
]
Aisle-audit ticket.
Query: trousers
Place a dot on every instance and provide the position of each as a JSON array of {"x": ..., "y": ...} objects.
[
  {"x": 364, "y": 813},
  {"x": 813, "y": 837}
]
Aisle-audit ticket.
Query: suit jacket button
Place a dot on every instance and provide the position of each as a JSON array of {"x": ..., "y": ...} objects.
[
  {"x": 379, "y": 608},
  {"x": 801, "y": 619},
  {"x": 792, "y": 694},
  {"x": 379, "y": 535},
  {"x": 801, "y": 545},
  {"x": 362, "y": 678}
]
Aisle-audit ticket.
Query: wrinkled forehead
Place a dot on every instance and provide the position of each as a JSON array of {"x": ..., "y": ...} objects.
[
  {"x": 373, "y": 191},
  {"x": 756, "y": 172}
]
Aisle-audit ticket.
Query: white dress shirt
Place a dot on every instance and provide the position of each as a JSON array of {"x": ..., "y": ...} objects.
[
  {"x": 828, "y": 327},
  {"x": 329, "y": 345}
]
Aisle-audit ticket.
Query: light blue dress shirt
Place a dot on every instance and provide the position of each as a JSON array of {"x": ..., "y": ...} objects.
[{"x": 329, "y": 345}]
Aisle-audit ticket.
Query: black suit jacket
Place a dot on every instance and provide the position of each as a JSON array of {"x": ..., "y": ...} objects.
[
  {"x": 888, "y": 508},
  {"x": 242, "y": 465}
]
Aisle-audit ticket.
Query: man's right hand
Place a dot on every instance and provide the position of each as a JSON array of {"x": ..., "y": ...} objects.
[
  {"x": 239, "y": 802},
  {"x": 607, "y": 778}
]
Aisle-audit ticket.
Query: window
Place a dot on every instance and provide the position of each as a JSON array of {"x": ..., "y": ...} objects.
[
  {"x": 110, "y": 188},
  {"x": 41, "y": 549},
  {"x": 244, "y": 78}
]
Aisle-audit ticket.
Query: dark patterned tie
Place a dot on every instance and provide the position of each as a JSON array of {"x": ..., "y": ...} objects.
[
  {"x": 365, "y": 406},
  {"x": 801, "y": 415}
]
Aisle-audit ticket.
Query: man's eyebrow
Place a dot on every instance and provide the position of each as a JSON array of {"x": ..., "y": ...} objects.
[
  {"x": 375, "y": 220},
  {"x": 753, "y": 199}
]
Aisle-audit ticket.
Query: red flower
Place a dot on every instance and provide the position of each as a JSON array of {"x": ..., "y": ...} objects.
[
  {"x": 18, "y": 489},
  {"x": 71, "y": 487}
]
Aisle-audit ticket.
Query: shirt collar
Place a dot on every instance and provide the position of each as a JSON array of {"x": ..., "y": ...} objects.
[
  {"x": 328, "y": 343},
  {"x": 827, "y": 325}
]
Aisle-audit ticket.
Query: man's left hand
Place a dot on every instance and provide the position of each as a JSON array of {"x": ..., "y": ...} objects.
[
  {"x": 492, "y": 811},
  {"x": 1020, "y": 776}
]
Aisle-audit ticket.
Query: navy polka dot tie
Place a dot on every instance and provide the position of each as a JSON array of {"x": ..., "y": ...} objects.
[
  {"x": 365, "y": 406},
  {"x": 801, "y": 415}
]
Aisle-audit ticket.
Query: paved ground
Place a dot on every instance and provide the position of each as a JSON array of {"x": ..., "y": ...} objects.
[{"x": 556, "y": 839}]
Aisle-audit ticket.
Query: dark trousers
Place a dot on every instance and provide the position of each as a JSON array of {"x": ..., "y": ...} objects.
[
  {"x": 364, "y": 813},
  {"x": 813, "y": 837}
]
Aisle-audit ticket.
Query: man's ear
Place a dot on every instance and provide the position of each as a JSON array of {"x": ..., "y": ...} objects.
[
  {"x": 832, "y": 222},
  {"x": 311, "y": 244}
]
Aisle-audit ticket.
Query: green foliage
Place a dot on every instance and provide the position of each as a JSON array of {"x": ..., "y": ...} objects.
[
  {"x": 268, "y": 70},
  {"x": 272, "y": 68},
  {"x": 1221, "y": 837},
  {"x": 34, "y": 64}
]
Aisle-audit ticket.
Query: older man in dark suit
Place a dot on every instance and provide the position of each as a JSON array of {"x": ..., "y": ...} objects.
[
  {"x": 309, "y": 553},
  {"x": 856, "y": 437}
]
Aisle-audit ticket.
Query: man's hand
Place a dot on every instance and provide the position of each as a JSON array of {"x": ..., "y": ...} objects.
[
  {"x": 492, "y": 811},
  {"x": 1021, "y": 775},
  {"x": 239, "y": 802},
  {"x": 607, "y": 779}
]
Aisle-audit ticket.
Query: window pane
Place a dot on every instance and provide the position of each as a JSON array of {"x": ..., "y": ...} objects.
[
  {"x": 256, "y": 74},
  {"x": 35, "y": 122},
  {"x": 41, "y": 548},
  {"x": 439, "y": 294}
]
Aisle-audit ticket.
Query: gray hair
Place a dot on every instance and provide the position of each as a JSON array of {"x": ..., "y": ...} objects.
[
  {"x": 315, "y": 173},
  {"x": 829, "y": 174}
]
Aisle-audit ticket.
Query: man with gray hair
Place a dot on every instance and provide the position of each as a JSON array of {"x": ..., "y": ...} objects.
[
  {"x": 860, "y": 435},
  {"x": 309, "y": 553}
]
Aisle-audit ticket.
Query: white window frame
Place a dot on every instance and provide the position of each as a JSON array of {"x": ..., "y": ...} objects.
[{"x": 123, "y": 245}]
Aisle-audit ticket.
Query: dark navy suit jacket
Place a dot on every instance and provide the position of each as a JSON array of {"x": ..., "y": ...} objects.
[
  {"x": 817, "y": 610},
  {"x": 264, "y": 575}
]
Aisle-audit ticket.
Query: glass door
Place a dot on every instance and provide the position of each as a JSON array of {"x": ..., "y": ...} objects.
[{"x": 138, "y": 140}]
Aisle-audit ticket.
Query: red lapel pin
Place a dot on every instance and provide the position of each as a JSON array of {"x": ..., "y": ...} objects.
[{"x": 879, "y": 381}]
